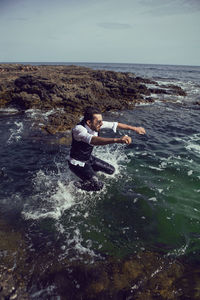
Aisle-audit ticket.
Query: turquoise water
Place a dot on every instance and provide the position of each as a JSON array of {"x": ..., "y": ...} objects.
[{"x": 152, "y": 202}]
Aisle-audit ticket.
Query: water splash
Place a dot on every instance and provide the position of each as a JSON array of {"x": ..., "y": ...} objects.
[{"x": 16, "y": 132}]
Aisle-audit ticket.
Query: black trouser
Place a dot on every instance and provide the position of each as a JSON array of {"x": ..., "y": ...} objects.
[{"x": 88, "y": 175}]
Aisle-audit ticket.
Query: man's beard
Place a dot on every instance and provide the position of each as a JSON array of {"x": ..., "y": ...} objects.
[{"x": 97, "y": 129}]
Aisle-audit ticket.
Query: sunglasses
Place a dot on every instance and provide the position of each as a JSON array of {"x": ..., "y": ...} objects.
[{"x": 99, "y": 122}]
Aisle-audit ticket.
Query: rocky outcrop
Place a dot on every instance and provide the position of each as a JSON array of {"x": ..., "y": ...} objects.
[
  {"x": 147, "y": 275},
  {"x": 71, "y": 89},
  {"x": 13, "y": 273}
]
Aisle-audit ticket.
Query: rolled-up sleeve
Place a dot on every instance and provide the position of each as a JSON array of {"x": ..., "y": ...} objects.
[
  {"x": 109, "y": 125},
  {"x": 80, "y": 133}
]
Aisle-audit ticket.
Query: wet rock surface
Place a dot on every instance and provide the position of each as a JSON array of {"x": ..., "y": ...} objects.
[
  {"x": 143, "y": 276},
  {"x": 70, "y": 89},
  {"x": 13, "y": 272},
  {"x": 26, "y": 274},
  {"x": 43, "y": 274}
]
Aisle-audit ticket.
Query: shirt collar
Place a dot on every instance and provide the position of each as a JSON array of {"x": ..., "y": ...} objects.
[{"x": 89, "y": 129}]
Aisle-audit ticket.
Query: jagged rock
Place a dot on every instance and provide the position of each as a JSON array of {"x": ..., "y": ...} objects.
[
  {"x": 72, "y": 88},
  {"x": 174, "y": 89},
  {"x": 59, "y": 122}
]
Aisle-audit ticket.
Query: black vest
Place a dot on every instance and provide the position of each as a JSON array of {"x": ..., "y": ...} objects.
[{"x": 80, "y": 150}]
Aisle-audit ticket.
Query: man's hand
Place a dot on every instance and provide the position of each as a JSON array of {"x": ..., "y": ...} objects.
[
  {"x": 125, "y": 140},
  {"x": 140, "y": 130}
]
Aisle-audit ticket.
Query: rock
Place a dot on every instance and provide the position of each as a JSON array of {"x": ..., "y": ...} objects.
[
  {"x": 60, "y": 122},
  {"x": 5, "y": 97},
  {"x": 174, "y": 89},
  {"x": 143, "y": 276},
  {"x": 13, "y": 260},
  {"x": 149, "y": 99},
  {"x": 72, "y": 89}
]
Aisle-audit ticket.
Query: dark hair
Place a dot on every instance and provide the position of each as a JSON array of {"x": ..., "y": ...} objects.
[{"x": 89, "y": 112}]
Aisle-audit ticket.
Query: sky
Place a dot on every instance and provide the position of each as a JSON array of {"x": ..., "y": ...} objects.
[{"x": 109, "y": 31}]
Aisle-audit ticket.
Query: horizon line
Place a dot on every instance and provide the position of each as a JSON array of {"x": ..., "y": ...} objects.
[{"x": 82, "y": 62}]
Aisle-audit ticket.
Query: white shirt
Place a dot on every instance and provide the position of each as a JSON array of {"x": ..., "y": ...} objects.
[{"x": 85, "y": 134}]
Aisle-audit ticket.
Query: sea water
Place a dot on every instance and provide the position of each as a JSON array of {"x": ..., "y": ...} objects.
[{"x": 152, "y": 202}]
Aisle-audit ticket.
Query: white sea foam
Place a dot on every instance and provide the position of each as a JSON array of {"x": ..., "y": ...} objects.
[
  {"x": 144, "y": 103},
  {"x": 37, "y": 113},
  {"x": 58, "y": 192},
  {"x": 8, "y": 111},
  {"x": 193, "y": 147},
  {"x": 114, "y": 155},
  {"x": 155, "y": 96},
  {"x": 16, "y": 132},
  {"x": 191, "y": 143},
  {"x": 55, "y": 194},
  {"x": 155, "y": 168},
  {"x": 171, "y": 160},
  {"x": 153, "y": 199},
  {"x": 77, "y": 240},
  {"x": 180, "y": 251},
  {"x": 44, "y": 292},
  {"x": 33, "y": 112},
  {"x": 190, "y": 172}
]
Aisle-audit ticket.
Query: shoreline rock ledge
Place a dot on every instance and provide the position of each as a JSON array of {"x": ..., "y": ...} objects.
[{"x": 67, "y": 90}]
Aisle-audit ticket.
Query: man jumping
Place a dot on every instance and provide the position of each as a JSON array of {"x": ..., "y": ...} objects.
[{"x": 85, "y": 136}]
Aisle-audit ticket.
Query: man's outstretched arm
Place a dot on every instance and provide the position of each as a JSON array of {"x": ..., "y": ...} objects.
[
  {"x": 100, "y": 141},
  {"x": 139, "y": 130}
]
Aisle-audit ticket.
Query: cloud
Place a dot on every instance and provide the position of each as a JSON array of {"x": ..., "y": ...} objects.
[
  {"x": 114, "y": 26},
  {"x": 21, "y": 19},
  {"x": 170, "y": 7}
]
